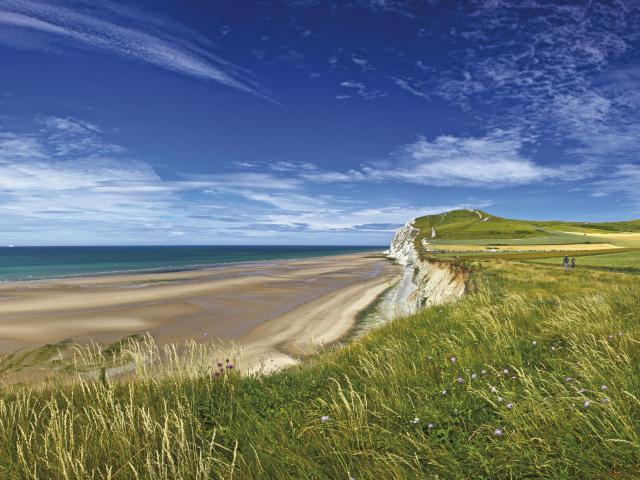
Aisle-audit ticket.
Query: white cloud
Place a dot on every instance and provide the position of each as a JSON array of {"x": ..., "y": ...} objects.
[
  {"x": 548, "y": 68},
  {"x": 406, "y": 85},
  {"x": 97, "y": 193},
  {"x": 133, "y": 35},
  {"x": 361, "y": 62},
  {"x": 495, "y": 160},
  {"x": 361, "y": 90},
  {"x": 623, "y": 182}
]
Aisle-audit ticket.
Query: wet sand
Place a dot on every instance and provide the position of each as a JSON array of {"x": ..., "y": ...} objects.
[{"x": 274, "y": 311}]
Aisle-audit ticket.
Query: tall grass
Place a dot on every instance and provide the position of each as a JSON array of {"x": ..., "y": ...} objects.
[{"x": 506, "y": 383}]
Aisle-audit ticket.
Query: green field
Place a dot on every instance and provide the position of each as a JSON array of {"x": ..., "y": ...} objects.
[
  {"x": 625, "y": 262},
  {"x": 534, "y": 373}
]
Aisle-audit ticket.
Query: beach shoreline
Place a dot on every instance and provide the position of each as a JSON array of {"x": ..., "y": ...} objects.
[{"x": 272, "y": 312}]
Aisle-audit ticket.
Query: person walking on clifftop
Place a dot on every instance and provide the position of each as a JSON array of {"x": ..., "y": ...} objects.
[
  {"x": 573, "y": 263},
  {"x": 565, "y": 260}
]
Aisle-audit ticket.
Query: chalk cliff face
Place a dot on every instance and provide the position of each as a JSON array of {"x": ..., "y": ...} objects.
[
  {"x": 434, "y": 282},
  {"x": 402, "y": 249}
]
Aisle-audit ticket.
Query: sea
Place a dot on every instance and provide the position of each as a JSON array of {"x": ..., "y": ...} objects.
[{"x": 36, "y": 263}]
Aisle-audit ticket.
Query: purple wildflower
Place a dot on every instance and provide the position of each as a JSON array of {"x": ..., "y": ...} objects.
[
  {"x": 230, "y": 366},
  {"x": 453, "y": 359},
  {"x": 509, "y": 405},
  {"x": 586, "y": 403},
  {"x": 460, "y": 380},
  {"x": 498, "y": 432}
]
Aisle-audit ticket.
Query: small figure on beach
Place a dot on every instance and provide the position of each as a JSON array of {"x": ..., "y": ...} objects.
[
  {"x": 565, "y": 260},
  {"x": 573, "y": 263}
]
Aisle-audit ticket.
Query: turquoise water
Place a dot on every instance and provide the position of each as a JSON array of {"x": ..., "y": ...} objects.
[{"x": 30, "y": 263}]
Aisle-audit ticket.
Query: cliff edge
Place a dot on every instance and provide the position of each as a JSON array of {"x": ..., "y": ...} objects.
[{"x": 425, "y": 281}]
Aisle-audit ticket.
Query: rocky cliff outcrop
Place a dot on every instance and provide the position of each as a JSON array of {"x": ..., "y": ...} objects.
[{"x": 433, "y": 282}]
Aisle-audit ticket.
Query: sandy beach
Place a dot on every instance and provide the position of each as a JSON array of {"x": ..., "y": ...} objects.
[{"x": 272, "y": 311}]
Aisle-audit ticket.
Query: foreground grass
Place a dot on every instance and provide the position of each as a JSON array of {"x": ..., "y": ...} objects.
[{"x": 506, "y": 383}]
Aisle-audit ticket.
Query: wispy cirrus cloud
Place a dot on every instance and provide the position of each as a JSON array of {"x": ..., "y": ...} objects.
[
  {"x": 410, "y": 87},
  {"x": 549, "y": 68},
  {"x": 132, "y": 34},
  {"x": 359, "y": 89}
]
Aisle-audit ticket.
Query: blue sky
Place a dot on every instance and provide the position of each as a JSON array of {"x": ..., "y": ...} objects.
[{"x": 308, "y": 121}]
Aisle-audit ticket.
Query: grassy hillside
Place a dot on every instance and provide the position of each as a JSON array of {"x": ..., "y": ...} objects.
[
  {"x": 534, "y": 349},
  {"x": 474, "y": 224},
  {"x": 459, "y": 228}
]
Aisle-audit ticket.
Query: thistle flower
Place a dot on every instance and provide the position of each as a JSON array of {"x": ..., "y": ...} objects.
[
  {"x": 230, "y": 366},
  {"x": 497, "y": 432},
  {"x": 509, "y": 406},
  {"x": 430, "y": 426},
  {"x": 604, "y": 387},
  {"x": 324, "y": 418},
  {"x": 453, "y": 359},
  {"x": 460, "y": 380}
]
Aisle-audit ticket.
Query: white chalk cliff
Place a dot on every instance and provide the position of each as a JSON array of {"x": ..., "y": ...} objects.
[{"x": 425, "y": 282}]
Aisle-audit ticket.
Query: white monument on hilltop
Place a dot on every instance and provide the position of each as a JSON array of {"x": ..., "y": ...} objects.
[{"x": 433, "y": 232}]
